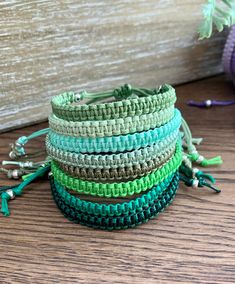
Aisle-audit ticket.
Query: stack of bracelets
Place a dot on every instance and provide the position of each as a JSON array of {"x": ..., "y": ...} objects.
[{"x": 117, "y": 164}]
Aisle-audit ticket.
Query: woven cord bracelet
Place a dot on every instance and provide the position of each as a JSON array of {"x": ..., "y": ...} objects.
[
  {"x": 120, "y": 143},
  {"x": 122, "y": 188},
  {"x": 102, "y": 128},
  {"x": 136, "y": 217},
  {"x": 148, "y": 101},
  {"x": 112, "y": 209},
  {"x": 122, "y": 173},
  {"x": 118, "y": 149},
  {"x": 114, "y": 160}
]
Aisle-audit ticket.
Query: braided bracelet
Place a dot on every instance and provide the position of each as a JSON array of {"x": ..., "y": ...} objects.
[
  {"x": 116, "y": 216},
  {"x": 114, "y": 150},
  {"x": 115, "y": 143},
  {"x": 125, "y": 159},
  {"x": 148, "y": 101},
  {"x": 123, "y": 173},
  {"x": 101, "y": 128},
  {"x": 122, "y": 188}
]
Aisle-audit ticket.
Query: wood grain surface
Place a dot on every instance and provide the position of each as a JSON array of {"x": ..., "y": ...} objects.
[
  {"x": 48, "y": 47},
  {"x": 193, "y": 241}
]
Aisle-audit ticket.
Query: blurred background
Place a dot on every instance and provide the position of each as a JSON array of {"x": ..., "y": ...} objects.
[{"x": 48, "y": 47}]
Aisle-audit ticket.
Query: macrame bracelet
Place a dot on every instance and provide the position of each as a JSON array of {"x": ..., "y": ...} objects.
[
  {"x": 119, "y": 160},
  {"x": 122, "y": 188},
  {"x": 115, "y": 143},
  {"x": 120, "y": 126},
  {"x": 114, "y": 150},
  {"x": 116, "y": 216},
  {"x": 139, "y": 102},
  {"x": 122, "y": 173}
]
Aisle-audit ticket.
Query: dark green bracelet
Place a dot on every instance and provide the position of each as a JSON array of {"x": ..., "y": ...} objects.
[{"x": 115, "y": 216}]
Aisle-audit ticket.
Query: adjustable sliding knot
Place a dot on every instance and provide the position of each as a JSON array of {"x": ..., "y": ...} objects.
[
  {"x": 17, "y": 149},
  {"x": 123, "y": 92},
  {"x": 198, "y": 183},
  {"x": 10, "y": 192},
  {"x": 196, "y": 173},
  {"x": 6, "y": 196}
]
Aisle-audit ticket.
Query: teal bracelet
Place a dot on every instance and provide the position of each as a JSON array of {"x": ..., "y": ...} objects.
[
  {"x": 136, "y": 102},
  {"x": 115, "y": 143},
  {"x": 120, "y": 126},
  {"x": 115, "y": 160},
  {"x": 120, "y": 216}
]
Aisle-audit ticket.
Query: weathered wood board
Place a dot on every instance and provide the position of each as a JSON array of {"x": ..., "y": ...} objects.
[{"x": 48, "y": 47}]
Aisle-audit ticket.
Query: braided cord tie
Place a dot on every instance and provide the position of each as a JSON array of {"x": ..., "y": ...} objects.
[
  {"x": 122, "y": 188},
  {"x": 116, "y": 216}
]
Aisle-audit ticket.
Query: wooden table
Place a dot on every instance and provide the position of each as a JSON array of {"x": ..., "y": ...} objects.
[{"x": 193, "y": 241}]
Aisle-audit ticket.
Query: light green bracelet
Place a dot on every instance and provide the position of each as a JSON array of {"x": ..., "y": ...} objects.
[
  {"x": 135, "y": 101},
  {"x": 116, "y": 160},
  {"x": 120, "y": 126},
  {"x": 122, "y": 188}
]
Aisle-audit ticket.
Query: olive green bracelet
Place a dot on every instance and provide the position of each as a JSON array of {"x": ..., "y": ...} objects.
[
  {"x": 122, "y": 188},
  {"x": 117, "y": 174},
  {"x": 148, "y": 101},
  {"x": 102, "y": 128}
]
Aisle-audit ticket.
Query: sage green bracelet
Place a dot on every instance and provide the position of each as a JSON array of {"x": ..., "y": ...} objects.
[
  {"x": 122, "y": 188},
  {"x": 120, "y": 126},
  {"x": 134, "y": 102},
  {"x": 120, "y": 160},
  {"x": 118, "y": 174}
]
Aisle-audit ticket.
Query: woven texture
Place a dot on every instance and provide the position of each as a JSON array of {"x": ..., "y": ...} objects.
[
  {"x": 155, "y": 100},
  {"x": 102, "y": 128},
  {"x": 120, "y": 143},
  {"x": 121, "y": 188},
  {"x": 118, "y": 149},
  {"x": 118, "y": 216}
]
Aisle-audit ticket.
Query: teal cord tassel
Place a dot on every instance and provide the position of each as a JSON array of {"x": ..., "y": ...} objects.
[{"x": 12, "y": 192}]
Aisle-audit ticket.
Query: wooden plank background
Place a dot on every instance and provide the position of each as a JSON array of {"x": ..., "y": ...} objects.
[{"x": 48, "y": 47}]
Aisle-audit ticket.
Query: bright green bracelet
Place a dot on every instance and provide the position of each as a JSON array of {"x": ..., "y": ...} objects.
[
  {"x": 122, "y": 188},
  {"x": 135, "y": 101},
  {"x": 120, "y": 126}
]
